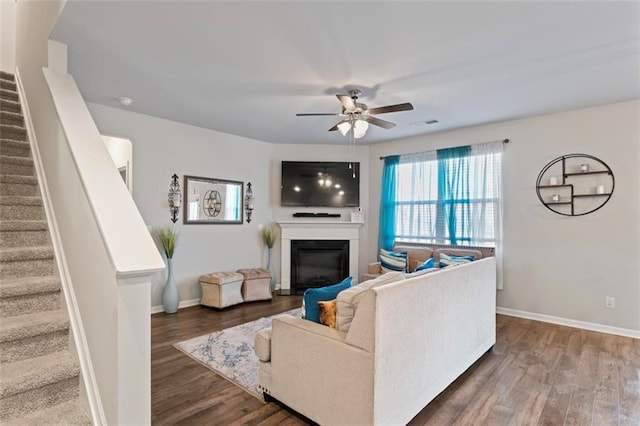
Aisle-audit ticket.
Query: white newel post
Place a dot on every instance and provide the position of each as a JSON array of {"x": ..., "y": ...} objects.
[{"x": 317, "y": 230}]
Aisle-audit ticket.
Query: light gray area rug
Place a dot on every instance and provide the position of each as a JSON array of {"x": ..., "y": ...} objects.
[{"x": 230, "y": 352}]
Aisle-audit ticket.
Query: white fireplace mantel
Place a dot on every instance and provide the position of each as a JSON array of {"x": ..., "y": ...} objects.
[{"x": 317, "y": 230}]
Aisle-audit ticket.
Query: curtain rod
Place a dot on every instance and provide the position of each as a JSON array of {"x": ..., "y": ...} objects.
[{"x": 503, "y": 141}]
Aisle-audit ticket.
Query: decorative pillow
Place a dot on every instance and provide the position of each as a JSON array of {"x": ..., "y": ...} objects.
[
  {"x": 347, "y": 300},
  {"x": 312, "y": 296},
  {"x": 446, "y": 260},
  {"x": 328, "y": 313},
  {"x": 428, "y": 264},
  {"x": 393, "y": 260}
]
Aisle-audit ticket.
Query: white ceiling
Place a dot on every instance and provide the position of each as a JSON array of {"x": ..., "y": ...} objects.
[{"x": 247, "y": 68}]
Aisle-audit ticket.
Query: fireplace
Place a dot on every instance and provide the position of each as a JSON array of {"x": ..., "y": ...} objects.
[
  {"x": 316, "y": 230},
  {"x": 317, "y": 263}
]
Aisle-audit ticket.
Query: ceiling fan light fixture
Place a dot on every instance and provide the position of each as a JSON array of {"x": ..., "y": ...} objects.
[
  {"x": 344, "y": 127},
  {"x": 360, "y": 128}
]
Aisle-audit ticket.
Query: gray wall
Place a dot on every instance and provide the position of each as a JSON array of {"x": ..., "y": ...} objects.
[{"x": 556, "y": 265}]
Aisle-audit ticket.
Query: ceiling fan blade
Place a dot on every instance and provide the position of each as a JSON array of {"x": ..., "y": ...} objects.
[
  {"x": 347, "y": 102},
  {"x": 391, "y": 108},
  {"x": 317, "y": 113},
  {"x": 334, "y": 128},
  {"x": 378, "y": 122}
]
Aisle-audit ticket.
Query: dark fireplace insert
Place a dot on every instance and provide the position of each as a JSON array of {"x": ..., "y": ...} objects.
[{"x": 318, "y": 263}]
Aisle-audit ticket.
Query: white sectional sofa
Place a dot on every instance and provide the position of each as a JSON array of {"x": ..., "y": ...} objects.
[{"x": 407, "y": 342}]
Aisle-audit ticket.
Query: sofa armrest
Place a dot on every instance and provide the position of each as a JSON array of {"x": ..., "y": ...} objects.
[{"x": 314, "y": 371}]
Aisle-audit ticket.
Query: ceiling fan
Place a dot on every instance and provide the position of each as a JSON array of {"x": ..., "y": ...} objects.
[{"x": 357, "y": 116}]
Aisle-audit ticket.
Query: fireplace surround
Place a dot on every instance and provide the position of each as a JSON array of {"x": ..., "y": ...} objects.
[{"x": 317, "y": 230}]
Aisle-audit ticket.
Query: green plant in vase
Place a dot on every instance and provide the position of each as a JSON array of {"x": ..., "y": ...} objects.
[
  {"x": 269, "y": 239},
  {"x": 170, "y": 295}
]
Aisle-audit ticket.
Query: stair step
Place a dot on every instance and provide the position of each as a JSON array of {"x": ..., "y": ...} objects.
[
  {"x": 31, "y": 325},
  {"x": 10, "y": 165},
  {"x": 33, "y": 334},
  {"x": 6, "y": 76},
  {"x": 26, "y": 262},
  {"x": 9, "y": 95},
  {"x": 15, "y": 133},
  {"x": 37, "y": 383},
  {"x": 21, "y": 296},
  {"x": 30, "y": 285},
  {"x": 68, "y": 413},
  {"x": 21, "y": 208},
  {"x": 15, "y": 148},
  {"x": 11, "y": 118},
  {"x": 8, "y": 85},
  {"x": 17, "y": 185},
  {"x": 9, "y": 105},
  {"x": 23, "y": 233}
]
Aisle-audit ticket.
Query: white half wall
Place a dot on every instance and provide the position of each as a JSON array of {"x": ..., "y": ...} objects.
[
  {"x": 555, "y": 265},
  {"x": 162, "y": 148},
  {"x": 8, "y": 36}
]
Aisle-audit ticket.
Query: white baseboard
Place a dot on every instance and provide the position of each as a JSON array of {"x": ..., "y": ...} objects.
[
  {"x": 591, "y": 326},
  {"x": 182, "y": 304}
]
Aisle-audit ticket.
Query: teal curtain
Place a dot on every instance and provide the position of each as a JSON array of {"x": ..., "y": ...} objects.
[
  {"x": 387, "y": 230},
  {"x": 452, "y": 211}
]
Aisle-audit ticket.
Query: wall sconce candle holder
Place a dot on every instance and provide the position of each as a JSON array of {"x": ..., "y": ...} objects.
[
  {"x": 248, "y": 202},
  {"x": 175, "y": 198}
]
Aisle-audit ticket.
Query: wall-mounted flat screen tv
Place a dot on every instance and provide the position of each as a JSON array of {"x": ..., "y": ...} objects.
[{"x": 320, "y": 184}]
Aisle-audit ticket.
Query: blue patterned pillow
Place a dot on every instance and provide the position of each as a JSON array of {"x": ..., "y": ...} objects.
[
  {"x": 393, "y": 260},
  {"x": 427, "y": 264},
  {"x": 311, "y": 297},
  {"x": 446, "y": 260}
]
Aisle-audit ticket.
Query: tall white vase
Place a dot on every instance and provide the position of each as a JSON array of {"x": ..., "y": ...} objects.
[
  {"x": 170, "y": 295},
  {"x": 272, "y": 283}
]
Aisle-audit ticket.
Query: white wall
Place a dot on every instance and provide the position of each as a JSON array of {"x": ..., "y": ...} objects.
[
  {"x": 162, "y": 148},
  {"x": 556, "y": 265},
  {"x": 8, "y": 35},
  {"x": 121, "y": 152}
]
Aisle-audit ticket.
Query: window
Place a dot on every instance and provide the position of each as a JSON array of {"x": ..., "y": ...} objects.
[{"x": 450, "y": 196}]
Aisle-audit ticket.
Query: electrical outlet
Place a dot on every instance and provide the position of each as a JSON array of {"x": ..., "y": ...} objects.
[{"x": 610, "y": 302}]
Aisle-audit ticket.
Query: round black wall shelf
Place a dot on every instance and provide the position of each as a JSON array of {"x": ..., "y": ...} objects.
[{"x": 575, "y": 184}]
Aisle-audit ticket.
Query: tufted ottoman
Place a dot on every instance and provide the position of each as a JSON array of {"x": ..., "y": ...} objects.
[
  {"x": 256, "y": 284},
  {"x": 221, "y": 289}
]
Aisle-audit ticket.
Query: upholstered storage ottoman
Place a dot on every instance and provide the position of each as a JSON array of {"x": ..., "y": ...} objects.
[
  {"x": 256, "y": 284},
  {"x": 221, "y": 289}
]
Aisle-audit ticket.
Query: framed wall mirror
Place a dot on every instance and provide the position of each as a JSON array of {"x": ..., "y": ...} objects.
[{"x": 212, "y": 201}]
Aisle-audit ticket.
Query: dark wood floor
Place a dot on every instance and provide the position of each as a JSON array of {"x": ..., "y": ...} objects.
[{"x": 537, "y": 373}]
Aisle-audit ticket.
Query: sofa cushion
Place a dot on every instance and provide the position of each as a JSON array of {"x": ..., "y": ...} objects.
[
  {"x": 328, "y": 313},
  {"x": 427, "y": 264},
  {"x": 393, "y": 260},
  {"x": 446, "y": 260},
  {"x": 311, "y": 297},
  {"x": 263, "y": 344},
  {"x": 347, "y": 301},
  {"x": 451, "y": 251},
  {"x": 417, "y": 254}
]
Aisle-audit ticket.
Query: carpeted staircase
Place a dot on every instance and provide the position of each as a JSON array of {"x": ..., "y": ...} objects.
[{"x": 39, "y": 377}]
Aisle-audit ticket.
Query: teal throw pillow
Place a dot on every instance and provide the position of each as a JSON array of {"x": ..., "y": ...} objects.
[
  {"x": 427, "y": 264},
  {"x": 312, "y": 296},
  {"x": 393, "y": 260},
  {"x": 446, "y": 260}
]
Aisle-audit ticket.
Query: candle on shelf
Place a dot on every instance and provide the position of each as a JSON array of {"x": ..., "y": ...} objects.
[
  {"x": 600, "y": 189},
  {"x": 584, "y": 168},
  {"x": 553, "y": 180},
  {"x": 555, "y": 197}
]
